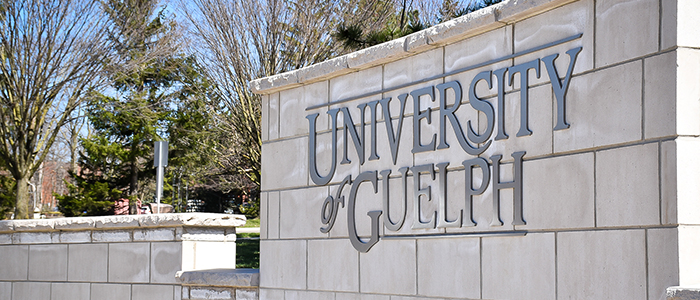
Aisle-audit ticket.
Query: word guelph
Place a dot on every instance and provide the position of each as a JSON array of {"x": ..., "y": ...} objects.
[{"x": 469, "y": 143}]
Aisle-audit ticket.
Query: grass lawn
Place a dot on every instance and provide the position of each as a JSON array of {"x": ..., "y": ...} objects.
[
  {"x": 252, "y": 223},
  {"x": 248, "y": 251}
]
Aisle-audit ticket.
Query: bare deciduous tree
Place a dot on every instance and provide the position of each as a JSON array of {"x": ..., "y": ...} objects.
[
  {"x": 51, "y": 54},
  {"x": 237, "y": 41}
]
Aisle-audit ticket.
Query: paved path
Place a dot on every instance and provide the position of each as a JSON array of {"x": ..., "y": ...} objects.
[{"x": 248, "y": 230}]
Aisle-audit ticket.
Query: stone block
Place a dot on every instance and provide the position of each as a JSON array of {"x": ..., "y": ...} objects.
[
  {"x": 33, "y": 225},
  {"x": 293, "y": 103},
  {"x": 470, "y": 24},
  {"x": 682, "y": 293},
  {"x": 273, "y": 222},
  {"x": 612, "y": 262},
  {"x": 7, "y": 226},
  {"x": 300, "y": 215},
  {"x": 283, "y": 264},
  {"x": 87, "y": 263},
  {"x": 129, "y": 262},
  {"x": 77, "y": 223},
  {"x": 110, "y": 291},
  {"x": 177, "y": 293},
  {"x": 531, "y": 278},
  {"x": 559, "y": 192},
  {"x": 285, "y": 168},
  {"x": 389, "y": 268},
  {"x": 243, "y": 294},
  {"x": 151, "y": 292},
  {"x": 5, "y": 238},
  {"x": 274, "y": 121},
  {"x": 198, "y": 255},
  {"x": 375, "y": 297},
  {"x": 662, "y": 260},
  {"x": 206, "y": 234},
  {"x": 166, "y": 260},
  {"x": 70, "y": 291},
  {"x": 14, "y": 261},
  {"x": 687, "y": 166},
  {"x": 449, "y": 267},
  {"x": 687, "y": 92},
  {"x": 245, "y": 278},
  {"x": 347, "y": 296},
  {"x": 669, "y": 183},
  {"x": 265, "y": 118},
  {"x": 48, "y": 262},
  {"x": 107, "y": 222},
  {"x": 324, "y": 157},
  {"x": 356, "y": 83},
  {"x": 625, "y": 29},
  {"x": 264, "y": 218},
  {"x": 615, "y": 90},
  {"x": 554, "y": 25},
  {"x": 70, "y": 237},
  {"x": 376, "y": 55},
  {"x": 31, "y": 290},
  {"x": 688, "y": 259},
  {"x": 627, "y": 186},
  {"x": 420, "y": 66},
  {"x": 154, "y": 234},
  {"x": 512, "y": 11},
  {"x": 417, "y": 42},
  {"x": 404, "y": 157},
  {"x": 206, "y": 293},
  {"x": 274, "y": 83},
  {"x": 34, "y": 237},
  {"x": 111, "y": 236},
  {"x": 660, "y": 95},
  {"x": 307, "y": 295},
  {"x": 678, "y": 21},
  {"x": 6, "y": 290},
  {"x": 328, "y": 272},
  {"x": 329, "y": 68},
  {"x": 270, "y": 294}
]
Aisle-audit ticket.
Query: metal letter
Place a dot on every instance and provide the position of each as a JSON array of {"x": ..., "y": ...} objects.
[
  {"x": 374, "y": 215},
  {"x": 442, "y": 221},
  {"x": 523, "y": 70},
  {"x": 313, "y": 169},
  {"x": 470, "y": 192},
  {"x": 388, "y": 223},
  {"x": 449, "y": 114},
  {"x": 358, "y": 140},
  {"x": 501, "y": 92},
  {"x": 417, "y": 115},
  {"x": 417, "y": 192},
  {"x": 393, "y": 138},
  {"x": 482, "y": 106},
  {"x": 331, "y": 205},
  {"x": 373, "y": 127},
  {"x": 516, "y": 185},
  {"x": 560, "y": 88}
]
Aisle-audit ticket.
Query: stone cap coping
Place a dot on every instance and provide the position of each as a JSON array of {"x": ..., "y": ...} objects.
[
  {"x": 472, "y": 24},
  {"x": 246, "y": 278},
  {"x": 683, "y": 293},
  {"x": 125, "y": 222}
]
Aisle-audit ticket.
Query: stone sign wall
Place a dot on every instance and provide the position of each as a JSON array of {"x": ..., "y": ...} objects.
[
  {"x": 123, "y": 257},
  {"x": 541, "y": 149}
]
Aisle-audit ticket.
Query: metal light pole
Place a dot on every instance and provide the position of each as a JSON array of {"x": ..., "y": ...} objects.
[{"x": 160, "y": 161}]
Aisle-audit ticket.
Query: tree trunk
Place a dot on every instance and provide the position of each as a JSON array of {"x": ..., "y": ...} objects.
[
  {"x": 22, "y": 205},
  {"x": 134, "y": 185}
]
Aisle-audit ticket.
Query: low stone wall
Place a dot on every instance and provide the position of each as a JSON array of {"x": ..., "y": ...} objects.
[{"x": 114, "y": 257}]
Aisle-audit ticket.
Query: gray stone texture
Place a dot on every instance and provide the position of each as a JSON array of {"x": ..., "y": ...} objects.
[
  {"x": 31, "y": 290},
  {"x": 14, "y": 261},
  {"x": 390, "y": 267},
  {"x": 166, "y": 260},
  {"x": 110, "y": 291},
  {"x": 70, "y": 291},
  {"x": 284, "y": 264},
  {"x": 6, "y": 290},
  {"x": 446, "y": 267},
  {"x": 151, "y": 292},
  {"x": 129, "y": 262},
  {"x": 48, "y": 262},
  {"x": 87, "y": 262},
  {"x": 625, "y": 30}
]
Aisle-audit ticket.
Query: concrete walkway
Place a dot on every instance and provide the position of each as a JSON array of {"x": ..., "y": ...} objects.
[{"x": 248, "y": 230}]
